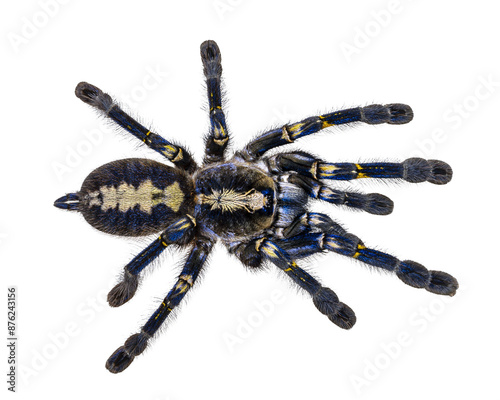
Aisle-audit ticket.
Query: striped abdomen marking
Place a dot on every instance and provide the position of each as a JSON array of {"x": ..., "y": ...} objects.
[
  {"x": 135, "y": 197},
  {"x": 126, "y": 197}
]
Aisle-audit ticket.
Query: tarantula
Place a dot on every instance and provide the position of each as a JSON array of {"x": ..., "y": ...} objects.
[{"x": 257, "y": 205}]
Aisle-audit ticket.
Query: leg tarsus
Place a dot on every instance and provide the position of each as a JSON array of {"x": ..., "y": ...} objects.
[
  {"x": 327, "y": 302},
  {"x": 373, "y": 203},
  {"x": 124, "y": 290},
  {"x": 211, "y": 59},
  {"x": 416, "y": 275},
  {"x": 441, "y": 172},
  {"x": 119, "y": 360},
  {"x": 94, "y": 96},
  {"x": 417, "y": 170},
  {"x": 378, "y": 204},
  {"x": 325, "y": 299},
  {"x": 124, "y": 355},
  {"x": 390, "y": 113}
]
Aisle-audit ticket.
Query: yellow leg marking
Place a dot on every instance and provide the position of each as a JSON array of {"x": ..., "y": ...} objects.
[
  {"x": 271, "y": 250},
  {"x": 146, "y": 138},
  {"x": 220, "y": 134},
  {"x": 169, "y": 151},
  {"x": 314, "y": 170},
  {"x": 324, "y": 124},
  {"x": 360, "y": 247},
  {"x": 258, "y": 243},
  {"x": 293, "y": 265},
  {"x": 294, "y": 131},
  {"x": 178, "y": 157},
  {"x": 327, "y": 170},
  {"x": 360, "y": 174},
  {"x": 285, "y": 134},
  {"x": 220, "y": 142},
  {"x": 192, "y": 219},
  {"x": 163, "y": 304},
  {"x": 187, "y": 278}
]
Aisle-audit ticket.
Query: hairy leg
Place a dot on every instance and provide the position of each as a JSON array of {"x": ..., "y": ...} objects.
[
  {"x": 373, "y": 203},
  {"x": 180, "y": 232},
  {"x": 410, "y": 272},
  {"x": 218, "y": 138},
  {"x": 412, "y": 170},
  {"x": 138, "y": 342},
  {"x": 373, "y": 114},
  {"x": 103, "y": 102}
]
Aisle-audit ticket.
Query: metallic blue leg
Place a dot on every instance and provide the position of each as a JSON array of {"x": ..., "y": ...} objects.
[
  {"x": 410, "y": 272},
  {"x": 373, "y": 114},
  {"x": 180, "y": 232},
  {"x": 412, "y": 170},
  {"x": 325, "y": 300},
  {"x": 95, "y": 97},
  {"x": 218, "y": 138},
  {"x": 373, "y": 203},
  {"x": 138, "y": 342}
]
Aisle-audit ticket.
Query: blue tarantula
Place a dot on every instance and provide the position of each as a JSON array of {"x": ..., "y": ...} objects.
[{"x": 257, "y": 205}]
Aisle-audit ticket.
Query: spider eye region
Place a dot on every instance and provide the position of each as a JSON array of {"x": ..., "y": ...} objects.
[{"x": 234, "y": 200}]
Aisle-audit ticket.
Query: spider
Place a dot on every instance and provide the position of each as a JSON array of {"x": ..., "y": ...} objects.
[{"x": 255, "y": 204}]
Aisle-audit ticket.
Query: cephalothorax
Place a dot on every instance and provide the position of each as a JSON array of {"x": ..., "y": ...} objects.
[{"x": 257, "y": 205}]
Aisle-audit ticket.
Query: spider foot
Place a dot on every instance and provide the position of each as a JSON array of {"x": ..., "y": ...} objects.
[
  {"x": 416, "y": 275},
  {"x": 390, "y": 113},
  {"x": 124, "y": 355},
  {"x": 327, "y": 302},
  {"x": 94, "y": 96},
  {"x": 119, "y": 361},
  {"x": 441, "y": 172},
  {"x": 211, "y": 58},
  {"x": 372, "y": 203},
  {"x": 417, "y": 170},
  {"x": 124, "y": 290},
  {"x": 378, "y": 204}
]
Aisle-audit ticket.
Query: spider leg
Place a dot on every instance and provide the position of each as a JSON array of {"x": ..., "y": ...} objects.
[
  {"x": 217, "y": 140},
  {"x": 138, "y": 342},
  {"x": 325, "y": 299},
  {"x": 103, "y": 102},
  {"x": 372, "y": 114},
  {"x": 410, "y": 272},
  {"x": 312, "y": 221},
  {"x": 373, "y": 203},
  {"x": 412, "y": 170},
  {"x": 180, "y": 232}
]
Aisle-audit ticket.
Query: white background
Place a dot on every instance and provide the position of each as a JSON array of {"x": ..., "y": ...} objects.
[{"x": 283, "y": 61}]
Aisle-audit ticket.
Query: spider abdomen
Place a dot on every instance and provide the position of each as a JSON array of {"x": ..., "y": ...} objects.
[
  {"x": 135, "y": 197},
  {"x": 234, "y": 200}
]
